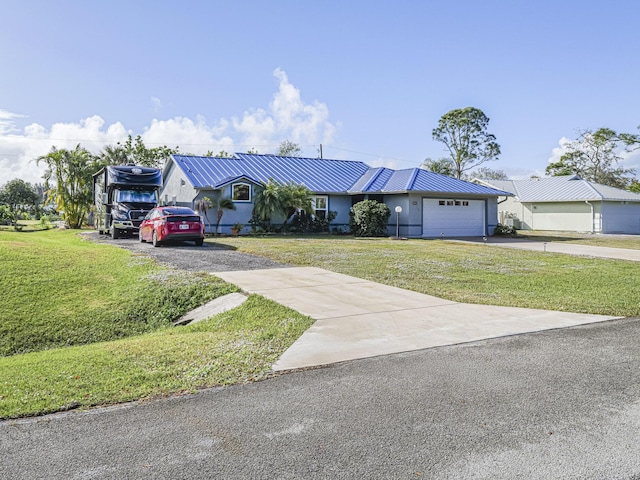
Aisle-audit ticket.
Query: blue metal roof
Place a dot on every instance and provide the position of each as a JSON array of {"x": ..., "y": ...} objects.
[
  {"x": 233, "y": 179},
  {"x": 321, "y": 175},
  {"x": 372, "y": 181},
  {"x": 426, "y": 181},
  {"x": 385, "y": 180}
]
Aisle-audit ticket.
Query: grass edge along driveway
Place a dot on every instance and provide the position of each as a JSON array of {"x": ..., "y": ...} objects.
[{"x": 466, "y": 273}]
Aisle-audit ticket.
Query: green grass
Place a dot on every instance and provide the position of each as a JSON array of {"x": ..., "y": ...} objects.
[
  {"x": 85, "y": 324},
  {"x": 29, "y": 226},
  {"x": 233, "y": 347},
  {"x": 61, "y": 290},
  {"x": 467, "y": 273}
]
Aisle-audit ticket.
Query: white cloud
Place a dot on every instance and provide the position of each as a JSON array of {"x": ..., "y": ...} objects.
[
  {"x": 560, "y": 150},
  {"x": 6, "y": 121},
  {"x": 156, "y": 104},
  {"x": 19, "y": 151},
  {"x": 192, "y": 137},
  {"x": 286, "y": 117}
]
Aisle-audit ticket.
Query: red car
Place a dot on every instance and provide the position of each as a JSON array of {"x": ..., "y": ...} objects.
[{"x": 163, "y": 224}]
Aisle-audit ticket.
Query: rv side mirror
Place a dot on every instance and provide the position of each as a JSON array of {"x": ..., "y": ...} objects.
[{"x": 105, "y": 198}]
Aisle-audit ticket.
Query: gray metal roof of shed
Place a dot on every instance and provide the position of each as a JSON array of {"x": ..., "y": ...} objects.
[{"x": 568, "y": 188}]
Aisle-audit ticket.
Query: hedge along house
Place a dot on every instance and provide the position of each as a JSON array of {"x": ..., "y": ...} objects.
[
  {"x": 432, "y": 205},
  {"x": 567, "y": 203}
]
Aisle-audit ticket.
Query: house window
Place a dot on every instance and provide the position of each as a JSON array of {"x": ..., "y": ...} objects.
[
  {"x": 465, "y": 203},
  {"x": 320, "y": 204},
  {"x": 241, "y": 192},
  {"x": 441, "y": 203}
]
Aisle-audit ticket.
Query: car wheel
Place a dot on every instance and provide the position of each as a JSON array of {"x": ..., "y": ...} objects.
[
  {"x": 154, "y": 239},
  {"x": 140, "y": 236},
  {"x": 115, "y": 233},
  {"x": 199, "y": 242}
]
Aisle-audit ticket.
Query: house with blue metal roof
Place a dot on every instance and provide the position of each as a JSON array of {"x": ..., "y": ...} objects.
[
  {"x": 567, "y": 203},
  {"x": 432, "y": 205}
]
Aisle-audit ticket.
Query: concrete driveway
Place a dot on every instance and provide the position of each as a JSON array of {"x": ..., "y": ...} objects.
[{"x": 358, "y": 318}]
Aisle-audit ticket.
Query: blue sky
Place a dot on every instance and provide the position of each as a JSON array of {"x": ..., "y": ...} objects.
[{"x": 368, "y": 80}]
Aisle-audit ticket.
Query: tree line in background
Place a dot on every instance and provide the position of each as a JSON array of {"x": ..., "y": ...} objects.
[
  {"x": 68, "y": 178},
  {"x": 593, "y": 156},
  {"x": 68, "y": 181}
]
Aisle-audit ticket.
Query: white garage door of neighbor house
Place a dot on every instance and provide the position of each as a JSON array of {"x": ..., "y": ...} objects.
[{"x": 452, "y": 218}]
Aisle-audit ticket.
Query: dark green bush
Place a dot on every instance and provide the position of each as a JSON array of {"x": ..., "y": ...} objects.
[
  {"x": 304, "y": 223},
  {"x": 369, "y": 219},
  {"x": 504, "y": 230}
]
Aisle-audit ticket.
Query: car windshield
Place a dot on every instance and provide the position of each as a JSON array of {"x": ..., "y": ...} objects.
[{"x": 137, "y": 196}]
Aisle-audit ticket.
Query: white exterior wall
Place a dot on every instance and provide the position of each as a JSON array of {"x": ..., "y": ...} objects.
[
  {"x": 564, "y": 216},
  {"x": 558, "y": 216},
  {"x": 176, "y": 184},
  {"x": 511, "y": 208}
]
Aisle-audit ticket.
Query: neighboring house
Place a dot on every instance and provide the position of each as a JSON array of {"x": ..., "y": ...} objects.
[
  {"x": 432, "y": 205},
  {"x": 567, "y": 203}
]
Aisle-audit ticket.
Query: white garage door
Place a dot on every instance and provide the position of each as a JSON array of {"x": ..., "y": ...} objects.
[{"x": 452, "y": 218}]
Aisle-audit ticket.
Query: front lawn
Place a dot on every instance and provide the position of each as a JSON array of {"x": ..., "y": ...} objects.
[
  {"x": 232, "y": 347},
  {"x": 466, "y": 272},
  {"x": 85, "y": 324},
  {"x": 61, "y": 290}
]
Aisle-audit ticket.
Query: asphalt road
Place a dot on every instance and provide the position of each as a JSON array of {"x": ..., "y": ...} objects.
[{"x": 561, "y": 404}]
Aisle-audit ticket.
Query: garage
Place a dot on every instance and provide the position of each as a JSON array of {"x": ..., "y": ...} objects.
[{"x": 453, "y": 217}]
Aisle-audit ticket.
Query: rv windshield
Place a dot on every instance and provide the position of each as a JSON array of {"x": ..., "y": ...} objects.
[{"x": 136, "y": 196}]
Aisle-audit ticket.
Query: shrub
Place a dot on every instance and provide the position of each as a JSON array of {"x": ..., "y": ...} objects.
[
  {"x": 259, "y": 225},
  {"x": 369, "y": 219},
  {"x": 504, "y": 230},
  {"x": 304, "y": 223}
]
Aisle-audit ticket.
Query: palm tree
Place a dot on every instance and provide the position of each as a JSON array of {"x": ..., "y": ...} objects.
[
  {"x": 114, "y": 155},
  {"x": 295, "y": 197},
  {"x": 223, "y": 204},
  {"x": 220, "y": 204},
  {"x": 202, "y": 205},
  {"x": 269, "y": 201},
  {"x": 69, "y": 181}
]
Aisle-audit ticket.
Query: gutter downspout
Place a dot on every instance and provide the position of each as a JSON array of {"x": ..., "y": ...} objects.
[{"x": 592, "y": 216}]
